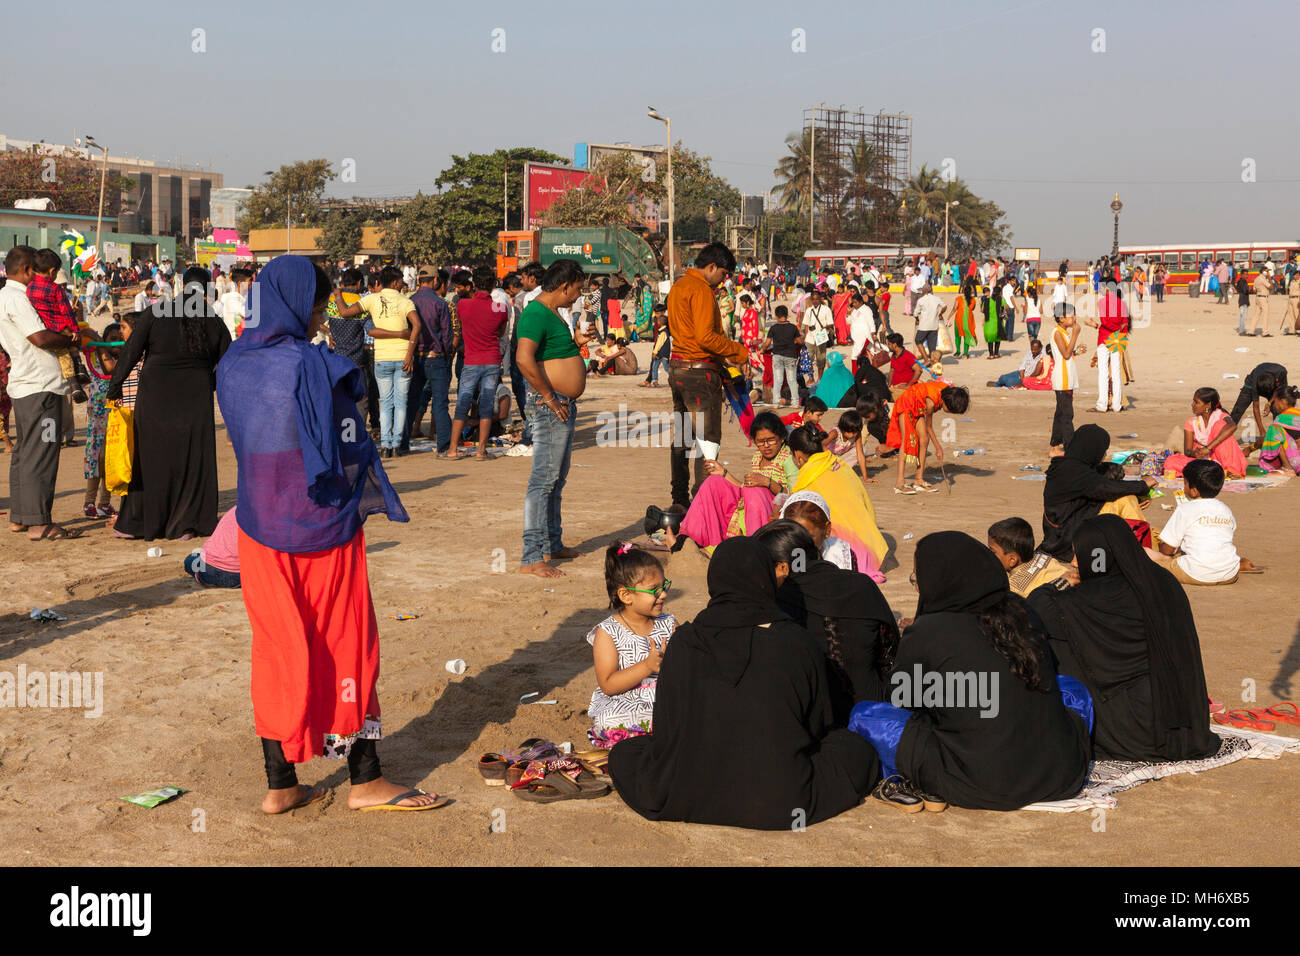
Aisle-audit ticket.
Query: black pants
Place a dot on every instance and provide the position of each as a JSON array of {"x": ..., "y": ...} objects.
[
  {"x": 1063, "y": 420},
  {"x": 372, "y": 389},
  {"x": 697, "y": 398},
  {"x": 363, "y": 764},
  {"x": 417, "y": 399},
  {"x": 34, "y": 463}
]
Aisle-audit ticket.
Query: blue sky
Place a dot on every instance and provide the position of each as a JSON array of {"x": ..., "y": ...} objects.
[{"x": 1011, "y": 91}]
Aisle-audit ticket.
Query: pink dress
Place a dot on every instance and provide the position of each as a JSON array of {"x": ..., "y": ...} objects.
[{"x": 1228, "y": 453}]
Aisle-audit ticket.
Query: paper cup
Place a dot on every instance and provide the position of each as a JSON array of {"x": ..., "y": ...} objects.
[
  {"x": 455, "y": 667},
  {"x": 707, "y": 449}
]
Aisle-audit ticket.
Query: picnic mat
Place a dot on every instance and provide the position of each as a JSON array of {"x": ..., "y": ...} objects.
[{"x": 1109, "y": 777}]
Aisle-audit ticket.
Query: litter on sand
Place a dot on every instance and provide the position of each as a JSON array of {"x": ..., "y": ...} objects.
[
  {"x": 536, "y": 693},
  {"x": 1242, "y": 349},
  {"x": 909, "y": 536},
  {"x": 456, "y": 666},
  {"x": 155, "y": 797},
  {"x": 1230, "y": 375},
  {"x": 1028, "y": 477},
  {"x": 47, "y": 614},
  {"x": 1031, "y": 467},
  {"x": 403, "y": 617}
]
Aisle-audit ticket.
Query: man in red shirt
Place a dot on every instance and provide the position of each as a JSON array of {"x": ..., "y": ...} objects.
[
  {"x": 481, "y": 322},
  {"x": 1108, "y": 359}
]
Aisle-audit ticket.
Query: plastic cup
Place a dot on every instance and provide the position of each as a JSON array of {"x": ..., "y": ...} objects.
[
  {"x": 455, "y": 667},
  {"x": 154, "y": 552}
]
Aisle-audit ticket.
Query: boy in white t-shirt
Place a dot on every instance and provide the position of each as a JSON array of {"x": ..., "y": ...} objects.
[{"x": 1197, "y": 542}]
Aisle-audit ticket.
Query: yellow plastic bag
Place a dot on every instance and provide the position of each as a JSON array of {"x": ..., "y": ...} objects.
[{"x": 119, "y": 448}]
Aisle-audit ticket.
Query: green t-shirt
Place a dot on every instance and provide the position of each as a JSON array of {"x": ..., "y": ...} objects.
[{"x": 553, "y": 338}]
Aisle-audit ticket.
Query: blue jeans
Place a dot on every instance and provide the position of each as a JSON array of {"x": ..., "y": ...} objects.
[
  {"x": 393, "y": 386},
  {"x": 655, "y": 363},
  {"x": 209, "y": 576},
  {"x": 480, "y": 380},
  {"x": 437, "y": 375},
  {"x": 1010, "y": 380},
  {"x": 552, "y": 452},
  {"x": 1033, "y": 325}
]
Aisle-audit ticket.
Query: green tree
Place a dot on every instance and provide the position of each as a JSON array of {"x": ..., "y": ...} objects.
[
  {"x": 608, "y": 197},
  {"x": 420, "y": 232},
  {"x": 797, "y": 192},
  {"x": 470, "y": 202},
  {"x": 294, "y": 191},
  {"x": 696, "y": 187},
  {"x": 69, "y": 179},
  {"x": 786, "y": 232},
  {"x": 340, "y": 237},
  {"x": 975, "y": 225}
]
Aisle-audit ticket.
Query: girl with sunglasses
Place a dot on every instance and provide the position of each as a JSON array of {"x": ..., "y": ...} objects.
[{"x": 628, "y": 645}]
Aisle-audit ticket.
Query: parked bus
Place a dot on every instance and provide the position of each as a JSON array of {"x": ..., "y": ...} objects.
[
  {"x": 884, "y": 258},
  {"x": 1183, "y": 260}
]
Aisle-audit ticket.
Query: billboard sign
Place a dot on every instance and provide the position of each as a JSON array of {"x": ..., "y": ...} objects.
[{"x": 544, "y": 184}]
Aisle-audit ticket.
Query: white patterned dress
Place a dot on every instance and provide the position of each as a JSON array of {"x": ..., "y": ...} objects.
[{"x": 629, "y": 713}]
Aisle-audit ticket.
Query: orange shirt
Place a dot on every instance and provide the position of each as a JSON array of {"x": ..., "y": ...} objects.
[{"x": 695, "y": 323}]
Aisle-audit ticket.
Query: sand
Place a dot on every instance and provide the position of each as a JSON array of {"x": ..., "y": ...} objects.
[{"x": 174, "y": 659}]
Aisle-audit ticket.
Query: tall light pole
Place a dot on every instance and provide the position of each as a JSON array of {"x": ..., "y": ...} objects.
[
  {"x": 1115, "y": 207},
  {"x": 99, "y": 218},
  {"x": 946, "y": 206},
  {"x": 288, "y": 208},
  {"x": 902, "y": 209},
  {"x": 711, "y": 218},
  {"x": 672, "y": 254}
]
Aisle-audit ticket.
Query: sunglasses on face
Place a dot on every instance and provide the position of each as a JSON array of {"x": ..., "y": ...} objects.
[{"x": 661, "y": 589}]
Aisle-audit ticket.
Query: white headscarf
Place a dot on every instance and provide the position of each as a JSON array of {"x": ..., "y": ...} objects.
[{"x": 811, "y": 496}]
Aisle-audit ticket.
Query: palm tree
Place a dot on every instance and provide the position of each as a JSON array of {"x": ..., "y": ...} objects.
[
  {"x": 865, "y": 187},
  {"x": 793, "y": 187}
]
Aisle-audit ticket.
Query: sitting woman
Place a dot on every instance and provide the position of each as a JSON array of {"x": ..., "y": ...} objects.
[
  {"x": 727, "y": 505},
  {"x": 849, "y": 617},
  {"x": 853, "y": 519},
  {"x": 1075, "y": 490},
  {"x": 835, "y": 387},
  {"x": 1280, "y": 448},
  {"x": 1209, "y": 434},
  {"x": 810, "y": 510},
  {"x": 911, "y": 428},
  {"x": 743, "y": 726},
  {"x": 1126, "y": 631},
  {"x": 988, "y": 724}
]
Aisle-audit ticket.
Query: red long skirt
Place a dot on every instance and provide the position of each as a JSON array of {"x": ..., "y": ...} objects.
[{"x": 315, "y": 643}]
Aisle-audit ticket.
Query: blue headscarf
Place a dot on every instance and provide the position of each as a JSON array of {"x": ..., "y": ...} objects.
[{"x": 309, "y": 473}]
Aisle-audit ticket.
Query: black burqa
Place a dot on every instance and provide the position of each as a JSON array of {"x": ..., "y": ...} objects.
[
  {"x": 1127, "y": 632},
  {"x": 1075, "y": 490},
  {"x": 850, "y": 620},
  {"x": 743, "y": 720},
  {"x": 1032, "y": 748},
  {"x": 173, "y": 488}
]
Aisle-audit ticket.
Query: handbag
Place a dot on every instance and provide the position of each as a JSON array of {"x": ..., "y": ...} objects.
[
  {"x": 879, "y": 356},
  {"x": 119, "y": 448}
]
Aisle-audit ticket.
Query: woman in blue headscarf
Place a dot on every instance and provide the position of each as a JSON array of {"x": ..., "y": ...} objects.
[{"x": 309, "y": 475}]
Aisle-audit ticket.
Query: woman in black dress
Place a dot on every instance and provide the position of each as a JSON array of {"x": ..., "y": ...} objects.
[
  {"x": 1075, "y": 490},
  {"x": 173, "y": 490},
  {"x": 743, "y": 725}
]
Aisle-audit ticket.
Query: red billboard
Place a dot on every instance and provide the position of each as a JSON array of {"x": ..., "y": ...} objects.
[{"x": 544, "y": 184}]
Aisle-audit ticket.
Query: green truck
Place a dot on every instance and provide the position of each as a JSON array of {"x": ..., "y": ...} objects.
[{"x": 602, "y": 250}]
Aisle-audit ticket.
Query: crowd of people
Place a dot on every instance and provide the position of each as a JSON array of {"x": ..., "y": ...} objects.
[{"x": 1084, "y": 643}]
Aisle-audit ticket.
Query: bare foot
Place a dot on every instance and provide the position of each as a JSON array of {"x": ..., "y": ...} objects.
[
  {"x": 380, "y": 791},
  {"x": 565, "y": 554},
  {"x": 670, "y": 539},
  {"x": 541, "y": 569},
  {"x": 17, "y": 528},
  {"x": 290, "y": 798}
]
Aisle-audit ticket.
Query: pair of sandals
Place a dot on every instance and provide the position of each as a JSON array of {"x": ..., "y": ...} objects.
[
  {"x": 539, "y": 772},
  {"x": 914, "y": 487},
  {"x": 1262, "y": 719}
]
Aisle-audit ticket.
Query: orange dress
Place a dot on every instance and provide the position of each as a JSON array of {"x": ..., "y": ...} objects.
[
  {"x": 911, "y": 405},
  {"x": 315, "y": 645}
]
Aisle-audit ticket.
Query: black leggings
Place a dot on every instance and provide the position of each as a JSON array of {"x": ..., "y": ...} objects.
[
  {"x": 363, "y": 764},
  {"x": 1063, "y": 420}
]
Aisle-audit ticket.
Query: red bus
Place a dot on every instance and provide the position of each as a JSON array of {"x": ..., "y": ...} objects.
[
  {"x": 883, "y": 257},
  {"x": 1183, "y": 259}
]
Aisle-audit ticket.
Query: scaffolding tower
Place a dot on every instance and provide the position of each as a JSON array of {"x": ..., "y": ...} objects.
[{"x": 850, "y": 202}]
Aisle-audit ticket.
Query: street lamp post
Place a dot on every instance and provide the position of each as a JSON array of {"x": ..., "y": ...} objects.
[
  {"x": 99, "y": 218},
  {"x": 668, "y": 132},
  {"x": 946, "y": 206},
  {"x": 1115, "y": 207},
  {"x": 711, "y": 218}
]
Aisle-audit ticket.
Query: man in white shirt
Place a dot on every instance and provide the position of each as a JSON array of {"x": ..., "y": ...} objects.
[
  {"x": 1198, "y": 539},
  {"x": 36, "y": 389},
  {"x": 818, "y": 321},
  {"x": 231, "y": 305},
  {"x": 929, "y": 311},
  {"x": 862, "y": 326}
]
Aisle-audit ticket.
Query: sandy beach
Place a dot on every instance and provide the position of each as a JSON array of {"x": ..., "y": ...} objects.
[{"x": 175, "y": 659}]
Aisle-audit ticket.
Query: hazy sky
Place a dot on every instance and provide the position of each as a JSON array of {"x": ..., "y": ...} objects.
[{"x": 1011, "y": 91}]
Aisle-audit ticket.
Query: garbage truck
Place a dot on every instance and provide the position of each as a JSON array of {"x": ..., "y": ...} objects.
[{"x": 614, "y": 251}]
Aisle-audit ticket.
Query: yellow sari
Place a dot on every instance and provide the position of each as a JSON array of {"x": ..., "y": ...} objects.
[{"x": 853, "y": 519}]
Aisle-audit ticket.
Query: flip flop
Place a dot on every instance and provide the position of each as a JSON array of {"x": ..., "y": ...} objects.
[
  {"x": 556, "y": 786},
  {"x": 905, "y": 490},
  {"x": 414, "y": 792},
  {"x": 1277, "y": 712},
  {"x": 924, "y": 486},
  {"x": 56, "y": 533},
  {"x": 1216, "y": 706},
  {"x": 492, "y": 768},
  {"x": 1243, "y": 719}
]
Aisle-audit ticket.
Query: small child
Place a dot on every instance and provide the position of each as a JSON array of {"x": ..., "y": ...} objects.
[
  {"x": 1197, "y": 542},
  {"x": 628, "y": 646},
  {"x": 1012, "y": 542},
  {"x": 216, "y": 564},
  {"x": 103, "y": 360},
  {"x": 51, "y": 304},
  {"x": 846, "y": 437},
  {"x": 132, "y": 382}
]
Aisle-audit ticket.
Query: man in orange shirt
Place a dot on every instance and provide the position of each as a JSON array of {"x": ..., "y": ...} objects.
[{"x": 700, "y": 349}]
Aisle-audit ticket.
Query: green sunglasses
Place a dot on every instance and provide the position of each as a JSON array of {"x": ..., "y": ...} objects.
[{"x": 662, "y": 589}]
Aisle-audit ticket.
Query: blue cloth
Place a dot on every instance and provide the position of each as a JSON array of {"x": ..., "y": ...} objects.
[
  {"x": 835, "y": 381},
  {"x": 309, "y": 474},
  {"x": 882, "y": 725},
  {"x": 1076, "y": 697}
]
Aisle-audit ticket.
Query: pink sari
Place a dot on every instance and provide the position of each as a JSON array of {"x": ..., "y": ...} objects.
[
  {"x": 1228, "y": 453},
  {"x": 709, "y": 516}
]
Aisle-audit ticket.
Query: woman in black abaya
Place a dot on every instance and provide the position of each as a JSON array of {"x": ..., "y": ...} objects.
[
  {"x": 1019, "y": 744},
  {"x": 743, "y": 720},
  {"x": 173, "y": 490},
  {"x": 1075, "y": 490},
  {"x": 844, "y": 612},
  {"x": 1127, "y": 632}
]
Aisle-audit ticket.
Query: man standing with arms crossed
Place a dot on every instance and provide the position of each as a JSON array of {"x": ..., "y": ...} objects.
[
  {"x": 695, "y": 367},
  {"x": 1263, "y": 288}
]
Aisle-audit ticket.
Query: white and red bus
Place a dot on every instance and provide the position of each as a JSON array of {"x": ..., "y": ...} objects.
[
  {"x": 1183, "y": 259},
  {"x": 883, "y": 257}
]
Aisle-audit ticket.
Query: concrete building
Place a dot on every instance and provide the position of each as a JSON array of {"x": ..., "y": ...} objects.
[
  {"x": 166, "y": 200},
  {"x": 44, "y": 230}
]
